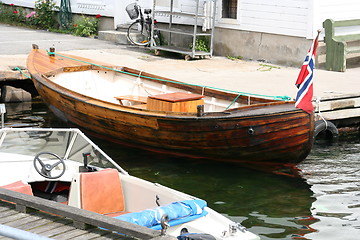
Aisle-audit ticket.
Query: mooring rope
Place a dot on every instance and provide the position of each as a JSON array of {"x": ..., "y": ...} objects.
[
  {"x": 283, "y": 98},
  {"x": 18, "y": 69},
  {"x": 318, "y": 100}
]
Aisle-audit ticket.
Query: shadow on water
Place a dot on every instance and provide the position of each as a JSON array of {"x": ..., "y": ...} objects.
[{"x": 326, "y": 198}]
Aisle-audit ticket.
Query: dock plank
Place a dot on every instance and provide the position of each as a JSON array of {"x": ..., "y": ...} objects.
[
  {"x": 7, "y": 213},
  {"x": 51, "y": 225},
  {"x": 70, "y": 234},
  {"x": 56, "y": 231},
  {"x": 40, "y": 220},
  {"x": 97, "y": 233},
  {"x": 34, "y": 224},
  {"x": 112, "y": 236},
  {"x": 4, "y": 208},
  {"x": 13, "y": 216},
  {"x": 22, "y": 221}
]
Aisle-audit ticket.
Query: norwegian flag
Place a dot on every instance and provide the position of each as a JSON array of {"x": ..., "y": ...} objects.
[{"x": 304, "y": 81}]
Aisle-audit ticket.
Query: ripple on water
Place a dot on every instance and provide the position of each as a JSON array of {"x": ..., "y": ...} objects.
[{"x": 334, "y": 176}]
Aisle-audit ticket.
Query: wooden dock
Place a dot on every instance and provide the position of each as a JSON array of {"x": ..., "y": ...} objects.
[
  {"x": 58, "y": 221},
  {"x": 13, "y": 73},
  {"x": 343, "y": 110},
  {"x": 15, "y": 85}
]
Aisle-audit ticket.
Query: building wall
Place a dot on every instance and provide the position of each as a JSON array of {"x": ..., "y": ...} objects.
[
  {"x": 280, "y": 31},
  {"x": 182, "y": 6},
  {"x": 285, "y": 17},
  {"x": 338, "y": 10},
  {"x": 299, "y": 18},
  {"x": 280, "y": 49}
]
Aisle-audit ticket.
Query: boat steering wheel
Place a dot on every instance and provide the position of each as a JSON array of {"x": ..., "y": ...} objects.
[{"x": 46, "y": 168}]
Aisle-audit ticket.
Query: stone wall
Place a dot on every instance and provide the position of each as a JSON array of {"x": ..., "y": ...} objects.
[{"x": 279, "y": 49}]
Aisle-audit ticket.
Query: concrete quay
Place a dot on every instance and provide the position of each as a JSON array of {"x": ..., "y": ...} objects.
[{"x": 338, "y": 93}]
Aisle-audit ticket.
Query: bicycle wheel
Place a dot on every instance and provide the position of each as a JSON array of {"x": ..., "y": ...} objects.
[{"x": 137, "y": 34}]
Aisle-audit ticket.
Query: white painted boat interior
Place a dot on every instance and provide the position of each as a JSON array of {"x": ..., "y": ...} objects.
[{"x": 106, "y": 85}]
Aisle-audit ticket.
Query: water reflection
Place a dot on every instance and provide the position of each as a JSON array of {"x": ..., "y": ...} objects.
[
  {"x": 27, "y": 114},
  {"x": 334, "y": 175},
  {"x": 323, "y": 204},
  {"x": 274, "y": 207}
]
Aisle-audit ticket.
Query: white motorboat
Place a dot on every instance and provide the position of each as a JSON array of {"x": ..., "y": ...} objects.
[{"x": 65, "y": 166}]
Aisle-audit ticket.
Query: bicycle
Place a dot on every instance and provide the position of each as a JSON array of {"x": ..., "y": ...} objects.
[{"x": 140, "y": 31}]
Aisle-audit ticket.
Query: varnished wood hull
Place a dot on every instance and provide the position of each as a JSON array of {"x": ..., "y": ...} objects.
[{"x": 257, "y": 134}]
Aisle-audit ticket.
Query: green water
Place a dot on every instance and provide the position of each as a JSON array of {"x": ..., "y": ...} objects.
[{"x": 322, "y": 204}]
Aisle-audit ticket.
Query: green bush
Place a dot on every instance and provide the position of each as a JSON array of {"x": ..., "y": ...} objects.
[
  {"x": 43, "y": 17},
  {"x": 45, "y": 13},
  {"x": 10, "y": 14},
  {"x": 202, "y": 44},
  {"x": 30, "y": 19},
  {"x": 86, "y": 26}
]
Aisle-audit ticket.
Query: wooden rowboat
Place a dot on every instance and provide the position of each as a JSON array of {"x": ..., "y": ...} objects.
[{"x": 160, "y": 114}]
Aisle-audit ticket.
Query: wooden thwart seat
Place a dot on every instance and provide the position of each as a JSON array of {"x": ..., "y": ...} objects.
[
  {"x": 140, "y": 106},
  {"x": 171, "y": 102},
  {"x": 133, "y": 98}
]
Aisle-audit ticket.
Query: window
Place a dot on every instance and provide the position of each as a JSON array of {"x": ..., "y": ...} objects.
[{"x": 229, "y": 8}]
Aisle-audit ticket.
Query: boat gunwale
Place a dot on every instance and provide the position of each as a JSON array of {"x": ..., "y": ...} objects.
[
  {"x": 167, "y": 81},
  {"x": 220, "y": 114},
  {"x": 226, "y": 114},
  {"x": 196, "y": 89}
]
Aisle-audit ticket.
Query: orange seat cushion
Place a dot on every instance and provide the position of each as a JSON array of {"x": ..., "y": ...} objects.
[
  {"x": 101, "y": 192},
  {"x": 20, "y": 187}
]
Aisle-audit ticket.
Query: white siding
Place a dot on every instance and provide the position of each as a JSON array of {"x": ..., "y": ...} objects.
[
  {"x": 94, "y": 7},
  {"x": 23, "y": 3},
  {"x": 287, "y": 17},
  {"x": 182, "y": 6},
  {"x": 301, "y": 18},
  {"x": 339, "y": 10},
  {"x": 120, "y": 14},
  {"x": 91, "y": 7}
]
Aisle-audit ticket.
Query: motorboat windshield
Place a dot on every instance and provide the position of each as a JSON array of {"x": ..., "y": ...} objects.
[{"x": 21, "y": 144}]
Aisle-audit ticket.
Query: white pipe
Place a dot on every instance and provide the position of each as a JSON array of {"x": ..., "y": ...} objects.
[{"x": 19, "y": 234}]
